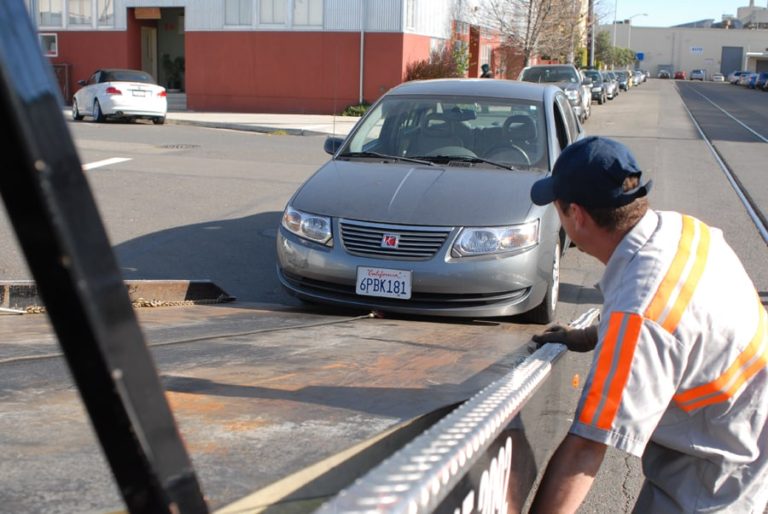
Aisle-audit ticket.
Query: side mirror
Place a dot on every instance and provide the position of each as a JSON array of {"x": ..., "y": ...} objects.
[
  {"x": 81, "y": 82},
  {"x": 332, "y": 145}
]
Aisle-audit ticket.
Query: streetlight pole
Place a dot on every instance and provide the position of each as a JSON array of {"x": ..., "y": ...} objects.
[
  {"x": 629, "y": 29},
  {"x": 615, "y": 8}
]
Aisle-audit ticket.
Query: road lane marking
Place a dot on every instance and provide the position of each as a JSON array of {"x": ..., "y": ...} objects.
[{"x": 105, "y": 162}]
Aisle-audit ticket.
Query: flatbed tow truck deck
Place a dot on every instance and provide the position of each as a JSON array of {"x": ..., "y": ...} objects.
[{"x": 259, "y": 393}]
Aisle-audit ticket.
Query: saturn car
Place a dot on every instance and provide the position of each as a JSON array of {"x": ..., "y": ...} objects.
[
  {"x": 123, "y": 94},
  {"x": 425, "y": 207}
]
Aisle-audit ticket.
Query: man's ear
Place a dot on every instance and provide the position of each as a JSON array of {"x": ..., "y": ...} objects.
[{"x": 579, "y": 214}]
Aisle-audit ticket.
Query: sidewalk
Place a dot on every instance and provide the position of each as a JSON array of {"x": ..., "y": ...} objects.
[{"x": 291, "y": 124}]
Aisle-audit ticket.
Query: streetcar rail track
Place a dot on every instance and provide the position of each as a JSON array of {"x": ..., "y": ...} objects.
[{"x": 757, "y": 217}]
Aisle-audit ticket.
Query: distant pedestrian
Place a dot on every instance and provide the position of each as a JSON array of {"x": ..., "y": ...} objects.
[
  {"x": 679, "y": 377},
  {"x": 487, "y": 73}
]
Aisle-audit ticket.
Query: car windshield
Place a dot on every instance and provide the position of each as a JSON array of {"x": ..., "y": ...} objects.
[
  {"x": 621, "y": 74},
  {"x": 550, "y": 74},
  {"x": 595, "y": 76},
  {"x": 128, "y": 76},
  {"x": 467, "y": 130}
]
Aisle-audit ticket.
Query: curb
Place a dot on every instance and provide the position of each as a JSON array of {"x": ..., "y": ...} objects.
[
  {"x": 262, "y": 129},
  {"x": 23, "y": 294}
]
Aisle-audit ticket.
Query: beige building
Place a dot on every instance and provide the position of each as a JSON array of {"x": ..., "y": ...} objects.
[{"x": 677, "y": 48}]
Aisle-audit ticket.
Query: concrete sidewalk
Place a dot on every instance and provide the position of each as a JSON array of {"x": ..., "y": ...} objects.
[{"x": 292, "y": 124}]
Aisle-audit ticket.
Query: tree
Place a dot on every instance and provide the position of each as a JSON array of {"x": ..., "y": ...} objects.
[
  {"x": 522, "y": 22},
  {"x": 552, "y": 28}
]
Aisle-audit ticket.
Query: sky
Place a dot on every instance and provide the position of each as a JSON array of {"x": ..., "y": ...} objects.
[{"x": 664, "y": 13}]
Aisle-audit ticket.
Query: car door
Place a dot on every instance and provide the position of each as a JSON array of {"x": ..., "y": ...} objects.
[{"x": 89, "y": 92}]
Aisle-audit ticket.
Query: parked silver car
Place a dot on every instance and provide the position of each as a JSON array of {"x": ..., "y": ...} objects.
[
  {"x": 425, "y": 207},
  {"x": 577, "y": 88}
]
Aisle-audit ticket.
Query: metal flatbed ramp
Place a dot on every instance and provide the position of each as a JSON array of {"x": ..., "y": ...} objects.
[{"x": 259, "y": 393}]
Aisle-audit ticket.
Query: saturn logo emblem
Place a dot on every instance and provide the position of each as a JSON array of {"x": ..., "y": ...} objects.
[{"x": 390, "y": 240}]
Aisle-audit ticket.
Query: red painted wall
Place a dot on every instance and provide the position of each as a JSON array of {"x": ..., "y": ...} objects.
[
  {"x": 84, "y": 52},
  {"x": 297, "y": 72},
  {"x": 290, "y": 72}
]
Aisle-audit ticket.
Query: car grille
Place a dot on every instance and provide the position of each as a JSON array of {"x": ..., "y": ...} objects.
[
  {"x": 415, "y": 243},
  {"x": 342, "y": 292}
]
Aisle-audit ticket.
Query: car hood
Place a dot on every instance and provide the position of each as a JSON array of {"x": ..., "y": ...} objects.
[
  {"x": 565, "y": 86},
  {"x": 421, "y": 195}
]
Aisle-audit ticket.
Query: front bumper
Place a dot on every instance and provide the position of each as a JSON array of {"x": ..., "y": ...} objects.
[{"x": 441, "y": 285}]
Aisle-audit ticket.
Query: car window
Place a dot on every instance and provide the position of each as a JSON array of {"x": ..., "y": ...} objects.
[
  {"x": 571, "y": 123},
  {"x": 550, "y": 74},
  {"x": 502, "y": 130},
  {"x": 561, "y": 125},
  {"x": 127, "y": 76}
]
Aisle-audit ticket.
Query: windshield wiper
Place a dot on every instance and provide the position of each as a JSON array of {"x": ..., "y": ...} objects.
[
  {"x": 467, "y": 158},
  {"x": 385, "y": 156}
]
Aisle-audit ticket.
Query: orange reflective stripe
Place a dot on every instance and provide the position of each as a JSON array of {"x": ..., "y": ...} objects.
[
  {"x": 623, "y": 365},
  {"x": 667, "y": 286},
  {"x": 611, "y": 370},
  {"x": 677, "y": 288},
  {"x": 735, "y": 375},
  {"x": 684, "y": 298}
]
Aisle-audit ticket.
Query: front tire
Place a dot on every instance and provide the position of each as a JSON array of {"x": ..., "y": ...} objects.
[
  {"x": 159, "y": 120},
  {"x": 546, "y": 311},
  {"x": 98, "y": 115},
  {"x": 76, "y": 111}
]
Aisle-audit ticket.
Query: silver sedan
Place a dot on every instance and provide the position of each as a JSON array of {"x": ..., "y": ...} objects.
[{"x": 425, "y": 207}]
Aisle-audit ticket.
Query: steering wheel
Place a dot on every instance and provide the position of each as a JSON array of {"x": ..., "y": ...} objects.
[{"x": 499, "y": 152}]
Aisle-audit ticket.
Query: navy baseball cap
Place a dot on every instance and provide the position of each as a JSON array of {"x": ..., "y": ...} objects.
[{"x": 591, "y": 172}]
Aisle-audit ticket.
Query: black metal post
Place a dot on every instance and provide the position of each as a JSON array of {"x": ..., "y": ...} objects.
[{"x": 61, "y": 234}]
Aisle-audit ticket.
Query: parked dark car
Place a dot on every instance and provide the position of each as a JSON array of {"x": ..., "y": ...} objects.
[
  {"x": 599, "y": 89},
  {"x": 664, "y": 74},
  {"x": 622, "y": 77},
  {"x": 569, "y": 79},
  {"x": 425, "y": 207},
  {"x": 760, "y": 80}
]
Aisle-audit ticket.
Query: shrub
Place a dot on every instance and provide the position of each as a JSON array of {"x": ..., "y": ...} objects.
[
  {"x": 355, "y": 110},
  {"x": 440, "y": 64}
]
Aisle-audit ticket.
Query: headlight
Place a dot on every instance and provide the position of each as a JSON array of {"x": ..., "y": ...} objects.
[
  {"x": 309, "y": 226},
  {"x": 572, "y": 94},
  {"x": 489, "y": 240}
]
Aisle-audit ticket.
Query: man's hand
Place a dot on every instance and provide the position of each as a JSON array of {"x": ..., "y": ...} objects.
[{"x": 576, "y": 339}]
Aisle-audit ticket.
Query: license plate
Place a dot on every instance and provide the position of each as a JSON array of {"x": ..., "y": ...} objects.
[
  {"x": 139, "y": 93},
  {"x": 386, "y": 283}
]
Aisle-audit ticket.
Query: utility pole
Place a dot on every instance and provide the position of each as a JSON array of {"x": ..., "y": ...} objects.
[{"x": 591, "y": 34}]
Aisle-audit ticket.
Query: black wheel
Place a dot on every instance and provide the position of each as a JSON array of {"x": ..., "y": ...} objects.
[
  {"x": 98, "y": 116},
  {"x": 601, "y": 100},
  {"x": 159, "y": 120},
  {"x": 545, "y": 312},
  {"x": 76, "y": 111}
]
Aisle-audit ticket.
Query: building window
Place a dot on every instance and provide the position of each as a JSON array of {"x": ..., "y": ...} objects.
[
  {"x": 79, "y": 12},
  {"x": 49, "y": 13},
  {"x": 272, "y": 11},
  {"x": 238, "y": 12},
  {"x": 410, "y": 14},
  {"x": 49, "y": 44},
  {"x": 308, "y": 12},
  {"x": 106, "y": 12}
]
